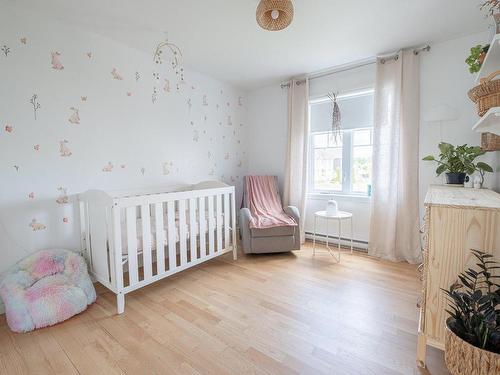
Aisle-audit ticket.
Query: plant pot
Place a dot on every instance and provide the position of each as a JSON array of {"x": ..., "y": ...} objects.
[
  {"x": 455, "y": 178},
  {"x": 463, "y": 358}
]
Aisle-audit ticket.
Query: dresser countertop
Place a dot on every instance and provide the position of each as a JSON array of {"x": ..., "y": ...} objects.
[{"x": 460, "y": 197}]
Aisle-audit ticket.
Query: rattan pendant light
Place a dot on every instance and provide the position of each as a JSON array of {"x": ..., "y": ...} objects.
[{"x": 274, "y": 15}]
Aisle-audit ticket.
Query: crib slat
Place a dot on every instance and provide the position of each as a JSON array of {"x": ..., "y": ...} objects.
[
  {"x": 117, "y": 247},
  {"x": 203, "y": 227},
  {"x": 172, "y": 259},
  {"x": 193, "y": 251},
  {"x": 233, "y": 225},
  {"x": 211, "y": 226},
  {"x": 227, "y": 214},
  {"x": 133, "y": 272},
  {"x": 182, "y": 231},
  {"x": 146, "y": 242},
  {"x": 160, "y": 239},
  {"x": 219, "y": 222}
]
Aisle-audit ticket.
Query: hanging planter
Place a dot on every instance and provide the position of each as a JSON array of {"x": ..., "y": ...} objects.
[{"x": 336, "y": 118}]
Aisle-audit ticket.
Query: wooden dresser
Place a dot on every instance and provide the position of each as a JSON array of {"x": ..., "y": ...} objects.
[{"x": 456, "y": 220}]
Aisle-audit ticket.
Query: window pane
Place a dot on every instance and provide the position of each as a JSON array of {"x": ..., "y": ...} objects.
[
  {"x": 320, "y": 140},
  {"x": 361, "y": 168},
  {"x": 327, "y": 164},
  {"x": 362, "y": 137}
]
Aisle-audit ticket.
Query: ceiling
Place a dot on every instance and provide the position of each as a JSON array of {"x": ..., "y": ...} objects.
[{"x": 221, "y": 37}]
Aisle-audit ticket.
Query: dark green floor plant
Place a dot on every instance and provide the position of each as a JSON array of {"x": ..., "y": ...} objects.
[{"x": 475, "y": 304}]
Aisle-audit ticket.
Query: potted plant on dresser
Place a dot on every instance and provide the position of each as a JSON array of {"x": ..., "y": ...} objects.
[
  {"x": 472, "y": 341},
  {"x": 458, "y": 161}
]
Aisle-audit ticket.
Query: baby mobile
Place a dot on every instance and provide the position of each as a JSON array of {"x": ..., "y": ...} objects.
[
  {"x": 336, "y": 118},
  {"x": 176, "y": 56}
]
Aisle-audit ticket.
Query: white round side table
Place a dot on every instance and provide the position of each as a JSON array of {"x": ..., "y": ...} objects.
[{"x": 339, "y": 217}]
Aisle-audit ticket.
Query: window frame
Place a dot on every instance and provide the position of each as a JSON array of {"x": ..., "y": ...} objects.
[{"x": 347, "y": 151}]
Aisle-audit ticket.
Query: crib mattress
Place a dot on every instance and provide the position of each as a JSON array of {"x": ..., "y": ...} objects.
[{"x": 195, "y": 232}]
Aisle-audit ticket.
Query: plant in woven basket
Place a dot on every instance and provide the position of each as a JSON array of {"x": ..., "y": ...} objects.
[
  {"x": 475, "y": 304},
  {"x": 476, "y": 58}
]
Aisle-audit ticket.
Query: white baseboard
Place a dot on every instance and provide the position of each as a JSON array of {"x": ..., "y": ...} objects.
[{"x": 344, "y": 242}]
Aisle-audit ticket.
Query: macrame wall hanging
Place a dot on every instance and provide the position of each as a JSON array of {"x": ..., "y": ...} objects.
[{"x": 336, "y": 118}]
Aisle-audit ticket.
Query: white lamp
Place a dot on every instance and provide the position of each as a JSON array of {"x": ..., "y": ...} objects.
[{"x": 441, "y": 113}]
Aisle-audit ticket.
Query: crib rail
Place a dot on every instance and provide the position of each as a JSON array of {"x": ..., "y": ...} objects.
[{"x": 138, "y": 240}]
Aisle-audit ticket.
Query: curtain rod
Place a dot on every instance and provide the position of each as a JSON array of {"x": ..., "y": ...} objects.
[{"x": 358, "y": 64}]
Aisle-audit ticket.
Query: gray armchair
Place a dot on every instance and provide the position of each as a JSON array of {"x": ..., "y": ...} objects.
[{"x": 269, "y": 240}]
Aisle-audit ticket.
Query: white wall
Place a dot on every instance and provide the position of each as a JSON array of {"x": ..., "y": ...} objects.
[
  {"x": 267, "y": 135},
  {"x": 444, "y": 80},
  {"x": 176, "y": 139}
]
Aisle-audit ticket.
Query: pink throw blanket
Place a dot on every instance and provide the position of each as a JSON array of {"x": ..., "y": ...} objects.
[{"x": 263, "y": 201}]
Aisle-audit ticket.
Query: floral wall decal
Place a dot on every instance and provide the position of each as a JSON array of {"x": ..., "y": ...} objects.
[
  {"x": 5, "y": 50},
  {"x": 65, "y": 220},
  {"x": 36, "y": 105},
  {"x": 129, "y": 93},
  {"x": 36, "y": 147},
  {"x": 35, "y": 226},
  {"x": 89, "y": 54},
  {"x": 9, "y": 128},
  {"x": 16, "y": 167},
  {"x": 154, "y": 95},
  {"x": 143, "y": 171},
  {"x": 23, "y": 40},
  {"x": 83, "y": 98},
  {"x": 167, "y": 167},
  {"x": 56, "y": 63},
  {"x": 116, "y": 75},
  {"x": 63, "y": 196},
  {"x": 31, "y": 195},
  {"x": 108, "y": 167},
  {"x": 74, "y": 118},
  {"x": 64, "y": 150}
]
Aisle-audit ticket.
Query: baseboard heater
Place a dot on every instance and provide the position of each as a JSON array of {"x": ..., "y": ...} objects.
[{"x": 344, "y": 242}]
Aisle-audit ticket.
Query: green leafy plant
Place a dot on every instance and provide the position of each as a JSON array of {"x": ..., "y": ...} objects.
[
  {"x": 475, "y": 304},
  {"x": 457, "y": 159},
  {"x": 482, "y": 168},
  {"x": 476, "y": 57}
]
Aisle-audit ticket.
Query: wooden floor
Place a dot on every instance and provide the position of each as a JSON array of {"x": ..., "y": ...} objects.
[{"x": 267, "y": 314}]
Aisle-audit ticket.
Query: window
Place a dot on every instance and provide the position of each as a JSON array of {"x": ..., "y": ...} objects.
[{"x": 345, "y": 165}]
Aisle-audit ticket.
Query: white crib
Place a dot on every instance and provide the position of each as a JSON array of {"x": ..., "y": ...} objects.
[{"x": 132, "y": 239}]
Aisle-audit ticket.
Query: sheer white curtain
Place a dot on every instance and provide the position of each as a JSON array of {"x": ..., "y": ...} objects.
[
  {"x": 394, "y": 228},
  {"x": 296, "y": 162}
]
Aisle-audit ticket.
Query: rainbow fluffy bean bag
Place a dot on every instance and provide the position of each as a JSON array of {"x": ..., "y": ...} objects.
[{"x": 46, "y": 288}]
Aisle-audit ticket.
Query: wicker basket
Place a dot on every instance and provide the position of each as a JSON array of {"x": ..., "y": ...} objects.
[
  {"x": 464, "y": 359},
  {"x": 487, "y": 94},
  {"x": 490, "y": 142}
]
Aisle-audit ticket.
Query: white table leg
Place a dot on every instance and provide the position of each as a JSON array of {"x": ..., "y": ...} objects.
[
  {"x": 352, "y": 230},
  {"x": 327, "y": 233},
  {"x": 314, "y": 235}
]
